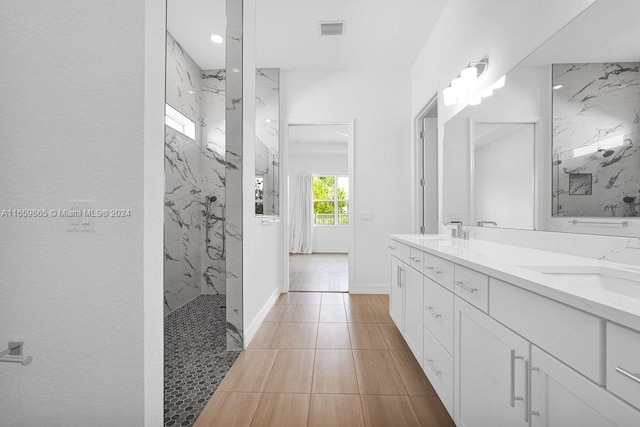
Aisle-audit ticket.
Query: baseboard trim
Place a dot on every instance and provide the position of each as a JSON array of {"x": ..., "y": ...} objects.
[
  {"x": 330, "y": 251},
  {"x": 369, "y": 288},
  {"x": 251, "y": 330}
]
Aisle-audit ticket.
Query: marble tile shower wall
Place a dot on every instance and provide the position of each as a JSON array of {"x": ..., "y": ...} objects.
[
  {"x": 194, "y": 170},
  {"x": 596, "y": 142},
  {"x": 268, "y": 135},
  {"x": 233, "y": 174}
]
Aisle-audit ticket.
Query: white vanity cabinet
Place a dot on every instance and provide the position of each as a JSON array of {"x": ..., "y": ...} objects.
[
  {"x": 499, "y": 354},
  {"x": 490, "y": 374},
  {"x": 405, "y": 301},
  {"x": 561, "y": 397}
]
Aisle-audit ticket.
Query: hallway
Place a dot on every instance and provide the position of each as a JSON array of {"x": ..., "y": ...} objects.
[
  {"x": 326, "y": 359},
  {"x": 319, "y": 272}
]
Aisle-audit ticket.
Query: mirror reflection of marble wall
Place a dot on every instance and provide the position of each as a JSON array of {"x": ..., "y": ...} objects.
[
  {"x": 596, "y": 149},
  {"x": 267, "y": 155}
]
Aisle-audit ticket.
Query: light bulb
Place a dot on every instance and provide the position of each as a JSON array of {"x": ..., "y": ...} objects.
[
  {"x": 459, "y": 87},
  {"x": 469, "y": 75},
  {"x": 449, "y": 96}
]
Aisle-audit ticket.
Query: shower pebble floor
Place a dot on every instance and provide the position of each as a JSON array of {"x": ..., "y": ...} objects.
[{"x": 195, "y": 357}]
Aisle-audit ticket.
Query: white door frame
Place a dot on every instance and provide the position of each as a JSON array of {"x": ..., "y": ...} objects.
[
  {"x": 418, "y": 212},
  {"x": 284, "y": 191}
]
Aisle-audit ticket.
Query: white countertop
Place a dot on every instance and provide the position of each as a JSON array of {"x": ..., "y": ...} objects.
[{"x": 620, "y": 304}]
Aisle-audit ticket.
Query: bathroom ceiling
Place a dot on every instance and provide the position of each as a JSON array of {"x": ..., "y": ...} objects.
[
  {"x": 192, "y": 22},
  {"x": 379, "y": 33}
]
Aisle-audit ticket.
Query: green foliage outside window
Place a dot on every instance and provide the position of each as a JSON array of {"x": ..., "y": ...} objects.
[{"x": 330, "y": 200}]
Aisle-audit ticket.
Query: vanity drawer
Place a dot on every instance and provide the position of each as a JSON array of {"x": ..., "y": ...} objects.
[
  {"x": 438, "y": 366},
  {"x": 392, "y": 247},
  {"x": 571, "y": 335},
  {"x": 438, "y": 270},
  {"x": 438, "y": 313},
  {"x": 472, "y": 287},
  {"x": 415, "y": 259},
  {"x": 623, "y": 363},
  {"x": 402, "y": 252}
]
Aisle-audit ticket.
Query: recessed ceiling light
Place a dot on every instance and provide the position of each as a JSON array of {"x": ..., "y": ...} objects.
[
  {"x": 192, "y": 92},
  {"x": 268, "y": 120},
  {"x": 216, "y": 38},
  {"x": 556, "y": 87}
]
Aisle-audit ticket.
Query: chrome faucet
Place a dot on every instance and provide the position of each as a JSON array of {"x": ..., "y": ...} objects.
[
  {"x": 458, "y": 232},
  {"x": 483, "y": 223}
]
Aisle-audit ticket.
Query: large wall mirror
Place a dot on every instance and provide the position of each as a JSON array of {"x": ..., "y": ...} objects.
[
  {"x": 267, "y": 185},
  {"x": 557, "y": 148}
]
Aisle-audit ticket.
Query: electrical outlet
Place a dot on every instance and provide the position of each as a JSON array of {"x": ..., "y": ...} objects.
[
  {"x": 366, "y": 216},
  {"x": 80, "y": 215}
]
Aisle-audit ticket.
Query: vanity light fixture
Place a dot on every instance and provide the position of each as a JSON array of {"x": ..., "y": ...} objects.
[
  {"x": 217, "y": 38},
  {"x": 465, "y": 87}
]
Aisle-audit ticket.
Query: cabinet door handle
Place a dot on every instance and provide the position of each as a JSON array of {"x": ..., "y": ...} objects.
[
  {"x": 433, "y": 313},
  {"x": 513, "y": 396},
  {"x": 527, "y": 391},
  {"x": 391, "y": 247},
  {"x": 438, "y": 272},
  {"x": 403, "y": 277},
  {"x": 465, "y": 287},
  {"x": 398, "y": 276},
  {"x": 435, "y": 371},
  {"x": 530, "y": 392},
  {"x": 625, "y": 373}
]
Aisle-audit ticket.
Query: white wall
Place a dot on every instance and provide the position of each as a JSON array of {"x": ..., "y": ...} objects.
[
  {"x": 261, "y": 243},
  {"x": 382, "y": 159},
  {"x": 468, "y": 30},
  {"x": 326, "y": 238},
  {"x": 82, "y": 118}
]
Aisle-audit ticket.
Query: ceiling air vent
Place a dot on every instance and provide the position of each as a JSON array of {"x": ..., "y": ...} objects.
[{"x": 335, "y": 28}]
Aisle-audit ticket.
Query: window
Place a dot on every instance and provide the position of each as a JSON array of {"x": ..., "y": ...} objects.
[
  {"x": 178, "y": 121},
  {"x": 259, "y": 189},
  {"x": 330, "y": 200}
]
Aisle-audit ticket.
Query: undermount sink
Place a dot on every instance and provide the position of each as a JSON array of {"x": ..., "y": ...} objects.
[{"x": 623, "y": 282}]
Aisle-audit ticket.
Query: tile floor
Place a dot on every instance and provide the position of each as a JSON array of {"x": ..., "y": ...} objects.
[
  {"x": 319, "y": 272},
  {"x": 326, "y": 359},
  {"x": 195, "y": 357}
]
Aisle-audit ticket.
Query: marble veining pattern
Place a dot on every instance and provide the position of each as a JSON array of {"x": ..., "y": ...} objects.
[
  {"x": 213, "y": 178},
  {"x": 194, "y": 171},
  {"x": 268, "y": 137},
  {"x": 233, "y": 175},
  {"x": 596, "y": 131},
  {"x": 624, "y": 250}
]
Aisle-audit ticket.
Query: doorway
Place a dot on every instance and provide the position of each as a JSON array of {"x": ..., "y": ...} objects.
[
  {"x": 319, "y": 202},
  {"x": 426, "y": 167}
]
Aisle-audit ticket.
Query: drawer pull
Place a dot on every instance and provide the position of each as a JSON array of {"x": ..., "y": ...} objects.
[
  {"x": 438, "y": 272},
  {"x": 433, "y": 313},
  {"x": 625, "y": 373},
  {"x": 391, "y": 247},
  {"x": 430, "y": 363},
  {"x": 513, "y": 396},
  {"x": 465, "y": 287}
]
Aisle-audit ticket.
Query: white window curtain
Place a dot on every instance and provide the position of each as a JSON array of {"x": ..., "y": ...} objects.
[{"x": 301, "y": 239}]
